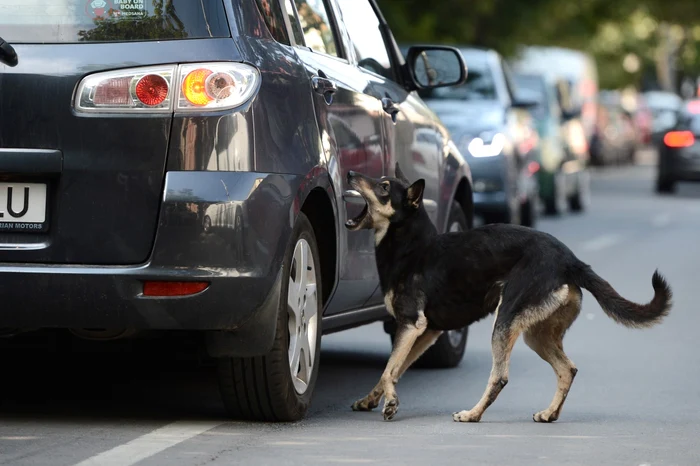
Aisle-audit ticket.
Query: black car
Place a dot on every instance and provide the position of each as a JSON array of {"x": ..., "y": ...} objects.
[
  {"x": 679, "y": 153},
  {"x": 491, "y": 125},
  {"x": 182, "y": 165}
]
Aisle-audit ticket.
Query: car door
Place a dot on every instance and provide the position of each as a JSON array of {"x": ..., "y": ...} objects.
[
  {"x": 411, "y": 135},
  {"x": 349, "y": 121},
  {"x": 412, "y": 138}
]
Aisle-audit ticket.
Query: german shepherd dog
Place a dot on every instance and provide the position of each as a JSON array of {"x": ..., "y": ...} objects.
[{"x": 437, "y": 282}]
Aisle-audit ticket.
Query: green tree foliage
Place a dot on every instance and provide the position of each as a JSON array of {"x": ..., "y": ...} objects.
[{"x": 610, "y": 30}]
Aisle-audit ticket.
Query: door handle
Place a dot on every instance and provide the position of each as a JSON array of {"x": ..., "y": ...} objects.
[
  {"x": 351, "y": 196},
  {"x": 325, "y": 87},
  {"x": 391, "y": 108}
]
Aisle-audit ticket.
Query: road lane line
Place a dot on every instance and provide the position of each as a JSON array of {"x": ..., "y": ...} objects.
[
  {"x": 601, "y": 242},
  {"x": 150, "y": 444}
]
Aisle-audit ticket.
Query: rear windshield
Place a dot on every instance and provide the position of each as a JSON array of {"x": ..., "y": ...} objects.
[{"x": 61, "y": 21}]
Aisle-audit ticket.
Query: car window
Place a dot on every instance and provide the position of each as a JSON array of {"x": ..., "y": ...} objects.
[
  {"x": 294, "y": 21},
  {"x": 61, "y": 21},
  {"x": 362, "y": 24},
  {"x": 315, "y": 23},
  {"x": 271, "y": 11},
  {"x": 537, "y": 87}
]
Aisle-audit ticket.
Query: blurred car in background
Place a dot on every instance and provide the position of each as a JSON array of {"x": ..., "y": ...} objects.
[
  {"x": 664, "y": 107},
  {"x": 562, "y": 175},
  {"x": 493, "y": 129},
  {"x": 642, "y": 119},
  {"x": 614, "y": 140},
  {"x": 576, "y": 75},
  {"x": 679, "y": 152}
]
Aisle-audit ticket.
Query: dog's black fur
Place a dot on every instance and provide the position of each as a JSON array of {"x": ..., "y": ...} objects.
[{"x": 434, "y": 283}]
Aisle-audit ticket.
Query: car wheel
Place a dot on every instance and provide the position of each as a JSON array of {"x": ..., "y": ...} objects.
[
  {"x": 556, "y": 204},
  {"x": 279, "y": 385},
  {"x": 449, "y": 348},
  {"x": 665, "y": 185},
  {"x": 581, "y": 198},
  {"x": 528, "y": 213}
]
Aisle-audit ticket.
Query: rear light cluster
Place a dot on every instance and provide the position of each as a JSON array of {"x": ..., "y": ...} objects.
[
  {"x": 168, "y": 88},
  {"x": 677, "y": 139}
]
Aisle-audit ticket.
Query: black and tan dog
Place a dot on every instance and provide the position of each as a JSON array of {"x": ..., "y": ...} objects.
[{"x": 433, "y": 283}]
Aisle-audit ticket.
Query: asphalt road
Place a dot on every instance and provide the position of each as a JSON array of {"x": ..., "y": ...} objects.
[{"x": 635, "y": 401}]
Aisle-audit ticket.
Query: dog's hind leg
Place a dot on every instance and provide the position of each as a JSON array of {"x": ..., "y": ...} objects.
[
  {"x": 546, "y": 339},
  {"x": 511, "y": 319},
  {"x": 423, "y": 342}
]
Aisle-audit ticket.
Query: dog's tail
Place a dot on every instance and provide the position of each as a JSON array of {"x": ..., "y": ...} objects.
[{"x": 626, "y": 312}]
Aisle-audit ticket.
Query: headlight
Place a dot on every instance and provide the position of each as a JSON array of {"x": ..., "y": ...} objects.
[{"x": 483, "y": 147}]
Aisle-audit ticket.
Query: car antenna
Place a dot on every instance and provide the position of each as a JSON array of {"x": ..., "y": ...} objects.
[{"x": 7, "y": 53}]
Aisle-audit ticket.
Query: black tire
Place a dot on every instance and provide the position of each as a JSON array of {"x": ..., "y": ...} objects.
[
  {"x": 528, "y": 214},
  {"x": 578, "y": 201},
  {"x": 446, "y": 352},
  {"x": 555, "y": 205},
  {"x": 665, "y": 185},
  {"x": 261, "y": 388},
  {"x": 502, "y": 216}
]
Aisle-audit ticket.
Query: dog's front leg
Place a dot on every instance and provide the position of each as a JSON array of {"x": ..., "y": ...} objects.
[
  {"x": 406, "y": 336},
  {"x": 423, "y": 342}
]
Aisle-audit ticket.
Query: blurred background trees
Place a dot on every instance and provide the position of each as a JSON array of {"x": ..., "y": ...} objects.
[{"x": 650, "y": 44}]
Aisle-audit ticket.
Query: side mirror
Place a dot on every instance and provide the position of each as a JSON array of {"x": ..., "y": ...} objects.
[{"x": 432, "y": 66}]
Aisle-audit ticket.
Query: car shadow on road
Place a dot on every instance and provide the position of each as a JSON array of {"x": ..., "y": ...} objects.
[{"x": 59, "y": 378}]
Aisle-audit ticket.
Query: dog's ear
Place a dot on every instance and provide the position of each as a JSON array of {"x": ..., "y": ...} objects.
[
  {"x": 399, "y": 174},
  {"x": 414, "y": 195}
]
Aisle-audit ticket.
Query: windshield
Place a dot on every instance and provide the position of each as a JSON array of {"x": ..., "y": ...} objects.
[
  {"x": 480, "y": 85},
  {"x": 60, "y": 21},
  {"x": 533, "y": 86}
]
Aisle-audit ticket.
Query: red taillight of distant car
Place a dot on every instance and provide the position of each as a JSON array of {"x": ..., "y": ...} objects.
[
  {"x": 152, "y": 89},
  {"x": 678, "y": 139}
]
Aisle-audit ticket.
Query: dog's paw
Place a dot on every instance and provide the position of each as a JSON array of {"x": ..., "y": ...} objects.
[
  {"x": 465, "y": 416},
  {"x": 364, "y": 405},
  {"x": 545, "y": 416},
  {"x": 391, "y": 407}
]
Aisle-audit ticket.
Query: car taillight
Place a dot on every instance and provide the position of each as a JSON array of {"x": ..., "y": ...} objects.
[
  {"x": 216, "y": 86},
  {"x": 168, "y": 88},
  {"x": 152, "y": 90},
  {"x": 678, "y": 139}
]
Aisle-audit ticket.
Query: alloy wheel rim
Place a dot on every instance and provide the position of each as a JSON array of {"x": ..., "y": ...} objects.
[{"x": 302, "y": 310}]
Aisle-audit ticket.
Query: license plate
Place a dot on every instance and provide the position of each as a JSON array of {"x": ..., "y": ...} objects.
[{"x": 23, "y": 207}]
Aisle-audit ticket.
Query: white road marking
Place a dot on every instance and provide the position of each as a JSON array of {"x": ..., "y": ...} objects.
[
  {"x": 540, "y": 436},
  {"x": 150, "y": 444},
  {"x": 602, "y": 242},
  {"x": 661, "y": 220}
]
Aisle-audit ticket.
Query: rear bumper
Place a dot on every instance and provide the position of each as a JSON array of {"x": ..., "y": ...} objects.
[
  {"x": 238, "y": 251},
  {"x": 681, "y": 164}
]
